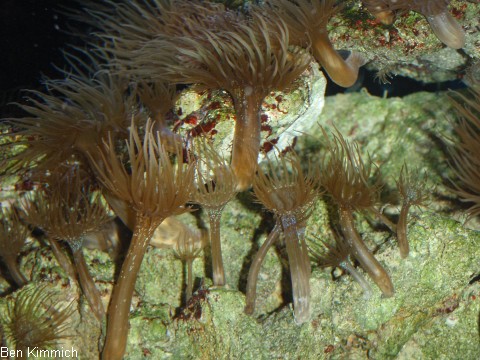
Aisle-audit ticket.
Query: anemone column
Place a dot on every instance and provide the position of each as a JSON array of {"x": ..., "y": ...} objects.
[{"x": 246, "y": 141}]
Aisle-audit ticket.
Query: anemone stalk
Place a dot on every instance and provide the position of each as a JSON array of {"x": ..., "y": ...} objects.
[
  {"x": 246, "y": 143},
  {"x": 257, "y": 262},
  {"x": 87, "y": 284},
  {"x": 360, "y": 251},
  {"x": 299, "y": 264},
  {"x": 119, "y": 308}
]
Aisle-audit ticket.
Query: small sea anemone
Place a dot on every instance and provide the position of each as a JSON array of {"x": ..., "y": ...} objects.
[
  {"x": 189, "y": 244},
  {"x": 466, "y": 152},
  {"x": 413, "y": 191},
  {"x": 155, "y": 188},
  {"x": 347, "y": 179},
  {"x": 216, "y": 185},
  {"x": 325, "y": 254},
  {"x": 68, "y": 211},
  {"x": 33, "y": 320},
  {"x": 36, "y": 209},
  {"x": 436, "y": 12},
  {"x": 159, "y": 98},
  {"x": 290, "y": 194}
]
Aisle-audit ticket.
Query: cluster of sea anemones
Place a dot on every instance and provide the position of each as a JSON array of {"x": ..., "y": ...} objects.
[
  {"x": 104, "y": 128},
  {"x": 247, "y": 54}
]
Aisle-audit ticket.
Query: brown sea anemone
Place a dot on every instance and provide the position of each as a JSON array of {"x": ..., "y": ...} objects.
[
  {"x": 436, "y": 12},
  {"x": 159, "y": 98},
  {"x": 347, "y": 179},
  {"x": 290, "y": 193},
  {"x": 189, "y": 243},
  {"x": 155, "y": 188},
  {"x": 216, "y": 185},
  {"x": 67, "y": 211},
  {"x": 325, "y": 254},
  {"x": 33, "y": 320},
  {"x": 71, "y": 119},
  {"x": 413, "y": 192},
  {"x": 248, "y": 60}
]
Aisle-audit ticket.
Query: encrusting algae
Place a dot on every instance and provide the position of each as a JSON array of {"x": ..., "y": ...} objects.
[{"x": 436, "y": 12}]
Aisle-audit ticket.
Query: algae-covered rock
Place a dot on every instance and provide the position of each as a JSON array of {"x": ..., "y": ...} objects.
[
  {"x": 434, "y": 312},
  {"x": 408, "y": 47}
]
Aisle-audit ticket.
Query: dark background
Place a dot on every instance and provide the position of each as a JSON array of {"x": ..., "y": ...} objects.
[{"x": 32, "y": 36}]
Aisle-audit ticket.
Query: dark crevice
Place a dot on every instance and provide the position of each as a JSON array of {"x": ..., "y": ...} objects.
[{"x": 398, "y": 86}]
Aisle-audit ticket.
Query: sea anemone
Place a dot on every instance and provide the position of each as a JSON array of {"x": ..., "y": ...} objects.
[
  {"x": 216, "y": 185},
  {"x": 249, "y": 60},
  {"x": 159, "y": 98},
  {"x": 71, "y": 119},
  {"x": 68, "y": 211},
  {"x": 413, "y": 191},
  {"x": 154, "y": 188},
  {"x": 33, "y": 320},
  {"x": 436, "y": 12},
  {"x": 325, "y": 254},
  {"x": 189, "y": 244},
  {"x": 347, "y": 179},
  {"x": 290, "y": 194},
  {"x": 36, "y": 209}
]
